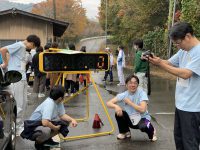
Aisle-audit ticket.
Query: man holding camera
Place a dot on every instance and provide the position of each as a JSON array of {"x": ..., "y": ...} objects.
[
  {"x": 140, "y": 65},
  {"x": 185, "y": 65}
]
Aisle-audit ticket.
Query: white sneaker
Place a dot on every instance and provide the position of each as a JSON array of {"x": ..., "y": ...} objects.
[
  {"x": 154, "y": 136},
  {"x": 72, "y": 94},
  {"x": 66, "y": 94},
  {"x": 122, "y": 136},
  {"x": 40, "y": 95},
  {"x": 19, "y": 131}
]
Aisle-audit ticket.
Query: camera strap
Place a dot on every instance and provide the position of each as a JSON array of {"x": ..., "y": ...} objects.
[{"x": 148, "y": 79}]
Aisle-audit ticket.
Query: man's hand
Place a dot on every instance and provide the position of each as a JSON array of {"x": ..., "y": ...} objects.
[
  {"x": 118, "y": 110},
  {"x": 57, "y": 128},
  {"x": 128, "y": 101},
  {"x": 155, "y": 60},
  {"x": 73, "y": 123},
  {"x": 3, "y": 66}
]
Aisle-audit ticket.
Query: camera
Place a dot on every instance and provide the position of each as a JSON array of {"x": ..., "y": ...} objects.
[{"x": 147, "y": 54}]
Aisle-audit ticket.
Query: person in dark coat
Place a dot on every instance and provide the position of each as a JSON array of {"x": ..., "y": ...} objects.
[{"x": 39, "y": 77}]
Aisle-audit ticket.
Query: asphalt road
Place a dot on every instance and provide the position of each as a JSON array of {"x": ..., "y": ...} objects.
[{"x": 161, "y": 108}]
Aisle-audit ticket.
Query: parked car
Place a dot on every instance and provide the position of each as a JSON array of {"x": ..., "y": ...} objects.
[{"x": 8, "y": 110}]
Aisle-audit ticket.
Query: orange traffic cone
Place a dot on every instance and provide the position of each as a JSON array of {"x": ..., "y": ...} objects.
[{"x": 97, "y": 122}]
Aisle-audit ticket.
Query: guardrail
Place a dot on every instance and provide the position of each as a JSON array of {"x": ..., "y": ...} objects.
[{"x": 91, "y": 38}]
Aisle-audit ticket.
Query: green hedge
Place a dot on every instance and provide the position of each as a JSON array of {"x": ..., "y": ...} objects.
[
  {"x": 154, "y": 41},
  {"x": 191, "y": 13}
]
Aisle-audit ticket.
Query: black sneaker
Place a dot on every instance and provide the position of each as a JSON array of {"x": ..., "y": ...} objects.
[
  {"x": 50, "y": 142},
  {"x": 41, "y": 147},
  {"x": 48, "y": 88},
  {"x": 103, "y": 80},
  {"x": 38, "y": 146}
]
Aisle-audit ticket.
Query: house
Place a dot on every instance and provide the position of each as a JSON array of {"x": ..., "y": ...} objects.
[{"x": 16, "y": 25}]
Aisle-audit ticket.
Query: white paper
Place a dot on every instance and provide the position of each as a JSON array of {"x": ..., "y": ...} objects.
[
  {"x": 183, "y": 82},
  {"x": 135, "y": 118}
]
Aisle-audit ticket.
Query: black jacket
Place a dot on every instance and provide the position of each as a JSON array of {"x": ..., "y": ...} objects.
[
  {"x": 35, "y": 66},
  {"x": 30, "y": 125}
]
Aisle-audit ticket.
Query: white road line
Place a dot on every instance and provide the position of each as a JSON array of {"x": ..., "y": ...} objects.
[{"x": 165, "y": 113}]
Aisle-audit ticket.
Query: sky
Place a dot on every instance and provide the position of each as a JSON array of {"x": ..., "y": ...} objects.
[{"x": 91, "y": 6}]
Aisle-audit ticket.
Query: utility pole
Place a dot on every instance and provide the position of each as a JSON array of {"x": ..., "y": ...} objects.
[
  {"x": 106, "y": 21},
  {"x": 54, "y": 16},
  {"x": 170, "y": 51},
  {"x": 54, "y": 9}
]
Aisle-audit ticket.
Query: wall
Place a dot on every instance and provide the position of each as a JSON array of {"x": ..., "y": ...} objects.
[{"x": 18, "y": 27}]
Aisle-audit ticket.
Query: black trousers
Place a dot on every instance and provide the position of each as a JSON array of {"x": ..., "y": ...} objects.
[
  {"x": 110, "y": 73},
  {"x": 124, "y": 124},
  {"x": 70, "y": 84},
  {"x": 27, "y": 77},
  {"x": 187, "y": 130}
]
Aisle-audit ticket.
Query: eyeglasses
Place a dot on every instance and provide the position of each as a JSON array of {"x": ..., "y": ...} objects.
[
  {"x": 131, "y": 83},
  {"x": 178, "y": 42}
]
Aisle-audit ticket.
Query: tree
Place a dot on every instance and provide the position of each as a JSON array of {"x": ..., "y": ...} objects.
[
  {"x": 93, "y": 28},
  {"x": 69, "y": 11},
  {"x": 130, "y": 19},
  {"x": 191, "y": 13}
]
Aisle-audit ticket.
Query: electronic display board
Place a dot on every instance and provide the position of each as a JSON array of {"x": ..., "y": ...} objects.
[{"x": 62, "y": 62}]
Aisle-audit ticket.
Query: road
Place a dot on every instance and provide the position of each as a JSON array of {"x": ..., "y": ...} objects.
[
  {"x": 93, "y": 44},
  {"x": 161, "y": 108}
]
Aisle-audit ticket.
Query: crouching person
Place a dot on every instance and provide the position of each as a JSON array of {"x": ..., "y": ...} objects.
[
  {"x": 131, "y": 110},
  {"x": 47, "y": 120}
]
